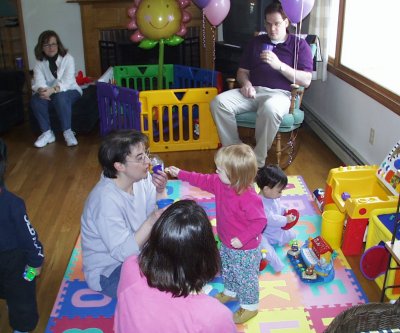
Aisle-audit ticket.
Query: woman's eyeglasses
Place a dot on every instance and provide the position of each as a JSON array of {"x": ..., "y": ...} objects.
[
  {"x": 47, "y": 46},
  {"x": 142, "y": 158}
]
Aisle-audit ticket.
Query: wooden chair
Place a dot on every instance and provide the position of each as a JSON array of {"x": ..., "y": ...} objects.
[{"x": 285, "y": 143}]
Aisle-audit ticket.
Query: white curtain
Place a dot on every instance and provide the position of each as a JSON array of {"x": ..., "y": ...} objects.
[{"x": 319, "y": 25}]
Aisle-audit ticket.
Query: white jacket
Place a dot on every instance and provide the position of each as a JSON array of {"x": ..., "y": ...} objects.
[{"x": 43, "y": 78}]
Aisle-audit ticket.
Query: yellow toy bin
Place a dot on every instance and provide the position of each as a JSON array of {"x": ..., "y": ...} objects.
[
  {"x": 356, "y": 192},
  {"x": 178, "y": 119},
  {"x": 377, "y": 232},
  {"x": 357, "y": 181}
]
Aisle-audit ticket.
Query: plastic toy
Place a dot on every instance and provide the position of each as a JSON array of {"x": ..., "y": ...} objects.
[
  {"x": 367, "y": 194},
  {"x": 30, "y": 273},
  {"x": 345, "y": 196},
  {"x": 314, "y": 262},
  {"x": 264, "y": 261},
  {"x": 81, "y": 80},
  {"x": 156, "y": 164},
  {"x": 373, "y": 262},
  {"x": 319, "y": 195},
  {"x": 309, "y": 273},
  {"x": 296, "y": 214},
  {"x": 164, "y": 202},
  {"x": 217, "y": 241},
  {"x": 294, "y": 248}
]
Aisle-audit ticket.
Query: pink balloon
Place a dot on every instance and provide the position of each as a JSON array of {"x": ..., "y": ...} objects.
[
  {"x": 132, "y": 25},
  {"x": 136, "y": 37},
  {"x": 182, "y": 31},
  {"x": 184, "y": 3},
  {"x": 186, "y": 17},
  {"x": 132, "y": 12},
  {"x": 216, "y": 11},
  {"x": 297, "y": 10}
]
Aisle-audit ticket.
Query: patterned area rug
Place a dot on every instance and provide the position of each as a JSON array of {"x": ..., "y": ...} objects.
[{"x": 287, "y": 305}]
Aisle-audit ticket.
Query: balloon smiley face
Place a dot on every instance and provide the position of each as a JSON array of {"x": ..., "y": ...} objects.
[{"x": 158, "y": 19}]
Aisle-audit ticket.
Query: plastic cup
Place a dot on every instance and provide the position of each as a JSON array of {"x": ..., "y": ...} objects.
[
  {"x": 164, "y": 202},
  {"x": 157, "y": 163},
  {"x": 267, "y": 47},
  {"x": 332, "y": 227}
]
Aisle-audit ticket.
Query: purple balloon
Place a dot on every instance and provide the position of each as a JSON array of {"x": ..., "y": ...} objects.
[
  {"x": 297, "y": 10},
  {"x": 216, "y": 11},
  {"x": 201, "y": 3}
]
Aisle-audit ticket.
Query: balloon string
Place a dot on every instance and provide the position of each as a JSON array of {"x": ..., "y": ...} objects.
[
  {"x": 204, "y": 30},
  {"x": 213, "y": 43},
  {"x": 297, "y": 43},
  {"x": 296, "y": 53}
]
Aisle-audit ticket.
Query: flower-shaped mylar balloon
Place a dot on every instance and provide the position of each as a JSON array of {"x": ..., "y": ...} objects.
[{"x": 158, "y": 20}]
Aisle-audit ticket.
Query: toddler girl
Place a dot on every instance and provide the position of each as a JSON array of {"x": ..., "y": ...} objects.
[{"x": 240, "y": 221}]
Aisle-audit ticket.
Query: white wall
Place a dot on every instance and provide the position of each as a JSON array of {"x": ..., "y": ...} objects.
[
  {"x": 64, "y": 18},
  {"x": 351, "y": 114}
]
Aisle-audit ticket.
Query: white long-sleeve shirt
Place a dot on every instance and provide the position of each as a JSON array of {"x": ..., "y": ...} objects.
[
  {"x": 276, "y": 220},
  {"x": 43, "y": 78},
  {"x": 109, "y": 221}
]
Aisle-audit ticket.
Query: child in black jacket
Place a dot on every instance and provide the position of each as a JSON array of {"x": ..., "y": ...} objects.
[{"x": 20, "y": 249}]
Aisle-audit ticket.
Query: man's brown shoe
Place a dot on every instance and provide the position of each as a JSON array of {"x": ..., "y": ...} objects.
[
  {"x": 243, "y": 315},
  {"x": 224, "y": 298}
]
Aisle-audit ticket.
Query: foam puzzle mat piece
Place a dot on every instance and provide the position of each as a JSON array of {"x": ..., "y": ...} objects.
[{"x": 81, "y": 325}]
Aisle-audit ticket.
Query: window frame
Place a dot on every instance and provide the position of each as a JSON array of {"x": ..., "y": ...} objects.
[{"x": 382, "y": 95}]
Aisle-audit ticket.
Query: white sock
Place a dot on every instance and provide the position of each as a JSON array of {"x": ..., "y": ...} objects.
[
  {"x": 250, "y": 307},
  {"x": 229, "y": 293}
]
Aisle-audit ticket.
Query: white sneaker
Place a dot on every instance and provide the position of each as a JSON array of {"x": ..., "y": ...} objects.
[
  {"x": 70, "y": 139},
  {"x": 44, "y": 139}
]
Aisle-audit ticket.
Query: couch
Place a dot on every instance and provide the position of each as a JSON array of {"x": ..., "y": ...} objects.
[
  {"x": 85, "y": 114},
  {"x": 11, "y": 98}
]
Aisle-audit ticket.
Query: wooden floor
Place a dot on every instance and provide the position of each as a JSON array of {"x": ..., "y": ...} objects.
[{"x": 54, "y": 182}]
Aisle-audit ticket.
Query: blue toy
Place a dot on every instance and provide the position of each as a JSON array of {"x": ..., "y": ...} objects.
[{"x": 313, "y": 262}]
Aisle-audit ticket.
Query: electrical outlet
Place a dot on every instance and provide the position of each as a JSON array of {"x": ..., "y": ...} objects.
[{"x": 371, "y": 136}]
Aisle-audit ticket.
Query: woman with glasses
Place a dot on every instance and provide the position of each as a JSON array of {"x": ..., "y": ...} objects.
[
  {"x": 53, "y": 85},
  {"x": 120, "y": 210}
]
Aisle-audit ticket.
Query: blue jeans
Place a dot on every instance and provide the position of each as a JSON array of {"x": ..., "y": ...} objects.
[
  {"x": 62, "y": 102},
  {"x": 109, "y": 285}
]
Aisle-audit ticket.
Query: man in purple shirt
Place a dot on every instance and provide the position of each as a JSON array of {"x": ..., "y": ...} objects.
[{"x": 269, "y": 65}]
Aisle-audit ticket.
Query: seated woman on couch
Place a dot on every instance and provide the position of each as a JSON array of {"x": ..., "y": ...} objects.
[{"x": 53, "y": 84}]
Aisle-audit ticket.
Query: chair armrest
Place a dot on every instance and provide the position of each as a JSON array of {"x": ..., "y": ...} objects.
[{"x": 12, "y": 80}]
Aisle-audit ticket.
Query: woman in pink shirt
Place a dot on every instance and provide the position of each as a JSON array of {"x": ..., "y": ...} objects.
[
  {"x": 160, "y": 290},
  {"x": 240, "y": 222}
]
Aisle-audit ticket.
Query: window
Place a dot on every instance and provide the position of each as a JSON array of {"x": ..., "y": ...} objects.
[{"x": 364, "y": 48}]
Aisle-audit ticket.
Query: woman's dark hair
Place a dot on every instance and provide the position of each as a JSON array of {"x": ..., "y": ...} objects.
[
  {"x": 44, "y": 39},
  {"x": 181, "y": 254},
  {"x": 271, "y": 175},
  {"x": 116, "y": 146}
]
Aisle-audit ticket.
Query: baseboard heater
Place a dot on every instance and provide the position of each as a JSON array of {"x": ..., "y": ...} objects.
[{"x": 342, "y": 149}]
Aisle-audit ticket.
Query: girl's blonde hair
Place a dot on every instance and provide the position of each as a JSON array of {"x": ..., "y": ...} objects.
[{"x": 240, "y": 164}]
